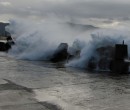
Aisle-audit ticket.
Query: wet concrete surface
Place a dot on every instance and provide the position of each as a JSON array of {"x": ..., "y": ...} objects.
[
  {"x": 16, "y": 97},
  {"x": 26, "y": 85}
]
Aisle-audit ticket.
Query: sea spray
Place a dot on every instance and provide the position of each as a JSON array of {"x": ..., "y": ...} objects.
[
  {"x": 37, "y": 41},
  {"x": 30, "y": 42},
  {"x": 100, "y": 38},
  {"x": 76, "y": 47}
]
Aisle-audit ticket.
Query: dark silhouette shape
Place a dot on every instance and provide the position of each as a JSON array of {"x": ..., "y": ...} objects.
[
  {"x": 61, "y": 53},
  {"x": 101, "y": 58},
  {"x": 110, "y": 58},
  {"x": 5, "y": 46},
  {"x": 118, "y": 64}
]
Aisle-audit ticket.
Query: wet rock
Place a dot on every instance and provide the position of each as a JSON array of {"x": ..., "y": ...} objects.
[
  {"x": 9, "y": 45},
  {"x": 9, "y": 38},
  {"x": 3, "y": 46},
  {"x": 102, "y": 58},
  {"x": 107, "y": 51},
  {"x": 118, "y": 64},
  {"x": 92, "y": 64},
  {"x": 10, "y": 41},
  {"x": 104, "y": 63},
  {"x": 61, "y": 53}
]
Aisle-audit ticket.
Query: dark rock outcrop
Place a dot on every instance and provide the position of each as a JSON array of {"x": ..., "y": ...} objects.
[
  {"x": 5, "y": 46},
  {"x": 61, "y": 53},
  {"x": 118, "y": 64},
  {"x": 110, "y": 58},
  {"x": 102, "y": 58}
]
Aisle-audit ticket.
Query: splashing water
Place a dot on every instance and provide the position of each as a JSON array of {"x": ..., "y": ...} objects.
[
  {"x": 100, "y": 38},
  {"x": 38, "y": 41}
]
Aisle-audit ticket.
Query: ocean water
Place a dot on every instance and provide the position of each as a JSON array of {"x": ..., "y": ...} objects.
[
  {"x": 67, "y": 88},
  {"x": 39, "y": 43}
]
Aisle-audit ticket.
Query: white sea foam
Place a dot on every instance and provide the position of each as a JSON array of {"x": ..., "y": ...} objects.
[
  {"x": 100, "y": 38},
  {"x": 38, "y": 41}
]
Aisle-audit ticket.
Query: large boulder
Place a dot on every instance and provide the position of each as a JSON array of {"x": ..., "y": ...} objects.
[
  {"x": 102, "y": 58},
  {"x": 60, "y": 53},
  {"x": 120, "y": 62},
  {"x": 4, "y": 46}
]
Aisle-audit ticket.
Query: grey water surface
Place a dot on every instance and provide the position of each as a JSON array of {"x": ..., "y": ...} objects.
[{"x": 39, "y": 85}]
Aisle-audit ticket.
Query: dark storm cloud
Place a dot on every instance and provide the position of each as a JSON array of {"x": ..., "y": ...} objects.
[{"x": 74, "y": 9}]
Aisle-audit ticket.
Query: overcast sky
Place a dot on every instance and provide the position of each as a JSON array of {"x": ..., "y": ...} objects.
[{"x": 105, "y": 12}]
